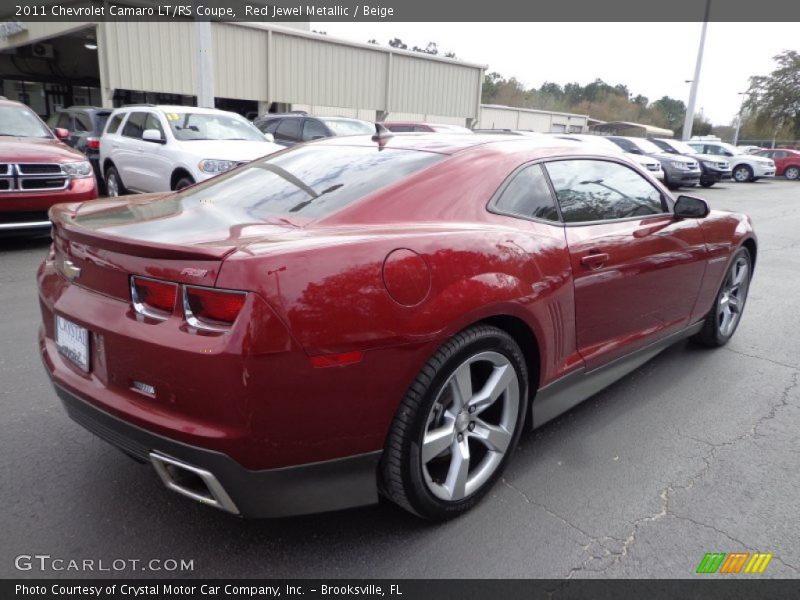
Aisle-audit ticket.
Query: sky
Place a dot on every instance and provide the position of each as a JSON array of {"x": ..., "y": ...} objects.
[{"x": 652, "y": 59}]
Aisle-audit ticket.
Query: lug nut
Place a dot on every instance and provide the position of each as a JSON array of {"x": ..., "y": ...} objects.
[
  {"x": 471, "y": 426},
  {"x": 460, "y": 437},
  {"x": 472, "y": 409}
]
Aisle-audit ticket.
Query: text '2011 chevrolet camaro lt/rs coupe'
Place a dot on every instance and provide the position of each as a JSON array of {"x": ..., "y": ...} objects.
[{"x": 363, "y": 317}]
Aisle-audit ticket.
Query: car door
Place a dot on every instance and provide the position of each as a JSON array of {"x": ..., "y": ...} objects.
[
  {"x": 637, "y": 270},
  {"x": 155, "y": 162},
  {"x": 130, "y": 152}
]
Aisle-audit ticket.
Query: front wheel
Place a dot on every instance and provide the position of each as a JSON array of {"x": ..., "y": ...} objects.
[
  {"x": 114, "y": 185},
  {"x": 184, "y": 181},
  {"x": 723, "y": 319},
  {"x": 742, "y": 173},
  {"x": 457, "y": 424},
  {"x": 707, "y": 184}
]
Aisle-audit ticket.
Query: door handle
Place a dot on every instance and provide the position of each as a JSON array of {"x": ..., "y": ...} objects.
[{"x": 595, "y": 260}]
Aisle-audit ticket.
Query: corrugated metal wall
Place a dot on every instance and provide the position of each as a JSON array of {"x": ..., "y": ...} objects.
[
  {"x": 240, "y": 62},
  {"x": 151, "y": 57},
  {"x": 502, "y": 117},
  {"x": 318, "y": 72},
  {"x": 38, "y": 31},
  {"x": 426, "y": 86}
]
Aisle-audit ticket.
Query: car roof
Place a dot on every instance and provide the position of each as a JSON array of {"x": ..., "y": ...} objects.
[
  {"x": 446, "y": 143},
  {"x": 174, "y": 108}
]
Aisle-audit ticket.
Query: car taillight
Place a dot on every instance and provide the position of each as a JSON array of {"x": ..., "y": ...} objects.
[
  {"x": 93, "y": 143},
  {"x": 210, "y": 308},
  {"x": 152, "y": 297}
]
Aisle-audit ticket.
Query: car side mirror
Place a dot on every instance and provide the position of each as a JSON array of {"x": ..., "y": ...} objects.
[
  {"x": 690, "y": 207},
  {"x": 269, "y": 137},
  {"x": 152, "y": 135},
  {"x": 61, "y": 133}
]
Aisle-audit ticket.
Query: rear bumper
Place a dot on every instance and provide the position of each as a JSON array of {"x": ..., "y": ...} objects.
[{"x": 309, "y": 488}]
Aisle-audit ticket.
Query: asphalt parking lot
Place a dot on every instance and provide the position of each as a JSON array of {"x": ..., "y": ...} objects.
[{"x": 695, "y": 452}]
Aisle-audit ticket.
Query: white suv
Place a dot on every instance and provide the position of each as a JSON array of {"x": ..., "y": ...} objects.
[
  {"x": 147, "y": 148},
  {"x": 744, "y": 167}
]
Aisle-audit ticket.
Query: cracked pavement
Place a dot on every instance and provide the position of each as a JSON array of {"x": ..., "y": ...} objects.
[{"x": 697, "y": 451}]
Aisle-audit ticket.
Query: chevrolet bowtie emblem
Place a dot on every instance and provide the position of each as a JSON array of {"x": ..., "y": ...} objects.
[{"x": 69, "y": 270}]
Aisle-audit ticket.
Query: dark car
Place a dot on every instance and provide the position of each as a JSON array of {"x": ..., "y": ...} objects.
[
  {"x": 713, "y": 168},
  {"x": 294, "y": 128},
  {"x": 375, "y": 314},
  {"x": 85, "y": 125},
  {"x": 679, "y": 171},
  {"x": 36, "y": 170}
]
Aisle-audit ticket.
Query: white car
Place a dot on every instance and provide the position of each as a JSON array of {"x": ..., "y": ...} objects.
[
  {"x": 147, "y": 148},
  {"x": 744, "y": 167},
  {"x": 648, "y": 163}
]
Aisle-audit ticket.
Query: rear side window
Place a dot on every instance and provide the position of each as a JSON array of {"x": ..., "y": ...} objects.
[
  {"x": 134, "y": 126},
  {"x": 308, "y": 182},
  {"x": 596, "y": 190},
  {"x": 82, "y": 123},
  {"x": 528, "y": 195},
  {"x": 100, "y": 120},
  {"x": 313, "y": 129},
  {"x": 114, "y": 124},
  {"x": 401, "y": 128},
  {"x": 289, "y": 130}
]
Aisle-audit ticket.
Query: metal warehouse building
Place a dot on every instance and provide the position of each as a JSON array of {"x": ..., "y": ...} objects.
[{"x": 256, "y": 68}]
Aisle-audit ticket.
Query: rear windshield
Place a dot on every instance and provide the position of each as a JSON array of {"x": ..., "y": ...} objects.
[
  {"x": 349, "y": 127},
  {"x": 307, "y": 182}
]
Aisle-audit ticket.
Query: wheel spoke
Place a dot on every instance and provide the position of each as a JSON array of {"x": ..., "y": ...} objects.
[
  {"x": 461, "y": 385},
  {"x": 458, "y": 473},
  {"x": 494, "y": 437},
  {"x": 437, "y": 441},
  {"x": 497, "y": 383},
  {"x": 733, "y": 304},
  {"x": 727, "y": 317},
  {"x": 741, "y": 275}
]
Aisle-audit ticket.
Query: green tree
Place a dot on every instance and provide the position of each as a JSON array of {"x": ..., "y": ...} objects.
[
  {"x": 674, "y": 111},
  {"x": 775, "y": 98}
]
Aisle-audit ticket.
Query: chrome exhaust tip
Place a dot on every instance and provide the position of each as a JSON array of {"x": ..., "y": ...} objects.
[{"x": 195, "y": 483}]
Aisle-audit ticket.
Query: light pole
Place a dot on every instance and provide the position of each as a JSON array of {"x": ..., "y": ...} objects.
[
  {"x": 739, "y": 118},
  {"x": 689, "y": 120}
]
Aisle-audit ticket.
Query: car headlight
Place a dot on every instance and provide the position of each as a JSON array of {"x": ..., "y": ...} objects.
[
  {"x": 714, "y": 165},
  {"x": 82, "y": 168},
  {"x": 680, "y": 165},
  {"x": 211, "y": 165}
]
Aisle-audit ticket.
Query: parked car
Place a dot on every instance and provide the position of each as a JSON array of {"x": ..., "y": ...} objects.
[
  {"x": 294, "y": 128},
  {"x": 361, "y": 316},
  {"x": 85, "y": 125},
  {"x": 37, "y": 170},
  {"x": 679, "y": 171},
  {"x": 744, "y": 167},
  {"x": 714, "y": 168},
  {"x": 787, "y": 161},
  {"x": 750, "y": 149},
  {"x": 413, "y": 126},
  {"x": 646, "y": 162},
  {"x": 149, "y": 148}
]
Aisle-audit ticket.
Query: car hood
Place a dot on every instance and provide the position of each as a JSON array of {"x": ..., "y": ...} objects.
[
  {"x": 238, "y": 150},
  {"x": 709, "y": 158},
  {"x": 668, "y": 156},
  {"x": 19, "y": 149}
]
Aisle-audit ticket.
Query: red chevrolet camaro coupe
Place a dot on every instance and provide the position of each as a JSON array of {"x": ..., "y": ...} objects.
[{"x": 361, "y": 316}]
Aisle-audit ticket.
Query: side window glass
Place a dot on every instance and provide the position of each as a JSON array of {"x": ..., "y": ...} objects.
[
  {"x": 595, "y": 190},
  {"x": 313, "y": 129},
  {"x": 63, "y": 121},
  {"x": 82, "y": 123},
  {"x": 153, "y": 122},
  {"x": 289, "y": 130},
  {"x": 270, "y": 126},
  {"x": 114, "y": 124},
  {"x": 528, "y": 195},
  {"x": 134, "y": 126}
]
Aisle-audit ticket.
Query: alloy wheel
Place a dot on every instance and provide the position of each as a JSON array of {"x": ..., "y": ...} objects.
[
  {"x": 112, "y": 185},
  {"x": 792, "y": 173},
  {"x": 733, "y": 296},
  {"x": 741, "y": 174},
  {"x": 470, "y": 426}
]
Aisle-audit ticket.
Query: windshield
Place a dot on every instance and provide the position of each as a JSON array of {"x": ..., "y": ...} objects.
[
  {"x": 730, "y": 148},
  {"x": 681, "y": 148},
  {"x": 647, "y": 146},
  {"x": 308, "y": 181},
  {"x": 19, "y": 121},
  {"x": 212, "y": 126},
  {"x": 349, "y": 127}
]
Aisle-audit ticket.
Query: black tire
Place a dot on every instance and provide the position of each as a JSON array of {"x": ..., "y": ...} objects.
[
  {"x": 792, "y": 173},
  {"x": 742, "y": 173},
  {"x": 707, "y": 184},
  {"x": 405, "y": 480},
  {"x": 183, "y": 181},
  {"x": 114, "y": 185},
  {"x": 713, "y": 334}
]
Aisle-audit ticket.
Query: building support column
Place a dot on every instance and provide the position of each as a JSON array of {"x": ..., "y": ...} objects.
[{"x": 205, "y": 64}]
